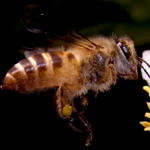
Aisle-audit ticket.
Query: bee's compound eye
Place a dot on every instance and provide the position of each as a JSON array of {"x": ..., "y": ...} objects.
[{"x": 124, "y": 49}]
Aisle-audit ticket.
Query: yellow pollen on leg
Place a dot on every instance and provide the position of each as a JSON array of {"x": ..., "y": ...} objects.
[{"x": 67, "y": 111}]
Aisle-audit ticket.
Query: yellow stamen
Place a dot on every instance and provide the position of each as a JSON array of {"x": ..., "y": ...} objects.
[
  {"x": 145, "y": 124},
  {"x": 147, "y": 89},
  {"x": 67, "y": 110},
  {"x": 147, "y": 129},
  {"x": 148, "y": 105},
  {"x": 147, "y": 115}
]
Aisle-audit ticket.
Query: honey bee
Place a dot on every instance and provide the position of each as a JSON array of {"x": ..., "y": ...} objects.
[{"x": 92, "y": 63}]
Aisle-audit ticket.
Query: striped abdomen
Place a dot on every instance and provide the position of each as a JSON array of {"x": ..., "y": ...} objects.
[{"x": 41, "y": 71}]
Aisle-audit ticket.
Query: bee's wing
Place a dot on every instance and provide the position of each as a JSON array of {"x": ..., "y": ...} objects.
[
  {"x": 84, "y": 40},
  {"x": 70, "y": 39},
  {"x": 37, "y": 50},
  {"x": 74, "y": 38},
  {"x": 32, "y": 51}
]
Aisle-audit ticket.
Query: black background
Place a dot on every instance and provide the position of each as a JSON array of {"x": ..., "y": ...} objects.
[{"x": 30, "y": 121}]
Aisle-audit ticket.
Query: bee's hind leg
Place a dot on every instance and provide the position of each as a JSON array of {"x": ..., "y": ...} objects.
[
  {"x": 66, "y": 110},
  {"x": 63, "y": 104},
  {"x": 78, "y": 119}
]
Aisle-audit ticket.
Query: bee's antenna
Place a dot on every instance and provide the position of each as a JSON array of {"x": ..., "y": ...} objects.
[{"x": 140, "y": 60}]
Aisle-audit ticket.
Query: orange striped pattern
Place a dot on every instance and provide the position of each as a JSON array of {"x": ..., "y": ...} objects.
[{"x": 37, "y": 71}]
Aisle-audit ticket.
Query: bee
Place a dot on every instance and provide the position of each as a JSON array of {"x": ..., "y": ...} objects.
[{"x": 85, "y": 64}]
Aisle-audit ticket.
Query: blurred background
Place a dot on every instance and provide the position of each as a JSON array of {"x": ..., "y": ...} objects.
[{"x": 30, "y": 120}]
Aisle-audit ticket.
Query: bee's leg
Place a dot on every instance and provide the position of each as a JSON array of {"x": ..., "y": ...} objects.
[
  {"x": 79, "y": 117},
  {"x": 63, "y": 104},
  {"x": 81, "y": 103},
  {"x": 66, "y": 110},
  {"x": 84, "y": 103}
]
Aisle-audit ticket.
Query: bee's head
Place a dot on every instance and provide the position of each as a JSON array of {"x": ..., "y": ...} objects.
[{"x": 126, "y": 59}]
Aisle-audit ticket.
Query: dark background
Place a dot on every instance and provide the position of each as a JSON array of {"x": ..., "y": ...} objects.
[{"x": 30, "y": 121}]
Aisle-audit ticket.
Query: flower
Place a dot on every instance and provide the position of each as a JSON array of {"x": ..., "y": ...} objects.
[{"x": 146, "y": 124}]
